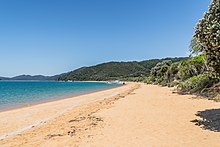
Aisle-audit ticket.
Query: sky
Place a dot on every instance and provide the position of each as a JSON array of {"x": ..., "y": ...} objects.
[{"x": 49, "y": 37}]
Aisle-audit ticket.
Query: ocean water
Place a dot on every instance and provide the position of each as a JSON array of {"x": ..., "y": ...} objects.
[{"x": 20, "y": 93}]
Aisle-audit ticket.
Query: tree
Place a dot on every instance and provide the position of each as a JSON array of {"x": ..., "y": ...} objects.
[
  {"x": 195, "y": 47},
  {"x": 207, "y": 33}
]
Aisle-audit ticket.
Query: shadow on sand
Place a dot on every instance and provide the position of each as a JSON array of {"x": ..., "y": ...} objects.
[{"x": 210, "y": 120}]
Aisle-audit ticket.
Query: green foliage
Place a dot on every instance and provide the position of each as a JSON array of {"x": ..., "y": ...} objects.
[
  {"x": 212, "y": 92},
  {"x": 196, "y": 83},
  {"x": 168, "y": 73},
  {"x": 172, "y": 72},
  {"x": 207, "y": 33},
  {"x": 149, "y": 64},
  {"x": 127, "y": 71},
  {"x": 200, "y": 59},
  {"x": 201, "y": 72},
  {"x": 192, "y": 67},
  {"x": 195, "y": 47},
  {"x": 158, "y": 72}
]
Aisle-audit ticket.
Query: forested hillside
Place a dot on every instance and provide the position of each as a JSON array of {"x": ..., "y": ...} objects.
[{"x": 114, "y": 70}]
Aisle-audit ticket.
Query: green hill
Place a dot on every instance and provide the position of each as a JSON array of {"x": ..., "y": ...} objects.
[{"x": 114, "y": 70}]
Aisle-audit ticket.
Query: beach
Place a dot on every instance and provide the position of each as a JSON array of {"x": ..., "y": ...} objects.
[{"x": 135, "y": 114}]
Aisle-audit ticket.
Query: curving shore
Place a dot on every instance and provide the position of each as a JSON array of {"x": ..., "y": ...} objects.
[{"x": 132, "y": 115}]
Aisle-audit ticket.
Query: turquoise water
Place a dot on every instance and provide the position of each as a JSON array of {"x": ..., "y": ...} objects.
[{"x": 20, "y": 93}]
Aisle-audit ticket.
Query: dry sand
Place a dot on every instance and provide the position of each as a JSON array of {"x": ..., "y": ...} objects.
[{"x": 132, "y": 115}]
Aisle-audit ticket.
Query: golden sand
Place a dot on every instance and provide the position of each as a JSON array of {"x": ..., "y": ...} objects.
[{"x": 132, "y": 115}]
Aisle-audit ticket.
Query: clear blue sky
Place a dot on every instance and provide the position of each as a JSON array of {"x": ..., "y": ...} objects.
[{"x": 54, "y": 36}]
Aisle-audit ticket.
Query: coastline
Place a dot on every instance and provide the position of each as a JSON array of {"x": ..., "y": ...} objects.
[
  {"x": 132, "y": 115},
  {"x": 35, "y": 114},
  {"x": 56, "y": 99}
]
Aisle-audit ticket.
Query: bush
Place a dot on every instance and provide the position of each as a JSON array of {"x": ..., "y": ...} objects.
[
  {"x": 159, "y": 71},
  {"x": 192, "y": 67},
  {"x": 172, "y": 72},
  {"x": 212, "y": 92},
  {"x": 196, "y": 84}
]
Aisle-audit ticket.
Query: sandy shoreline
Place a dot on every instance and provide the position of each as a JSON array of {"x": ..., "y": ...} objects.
[
  {"x": 35, "y": 115},
  {"x": 57, "y": 99},
  {"x": 132, "y": 115}
]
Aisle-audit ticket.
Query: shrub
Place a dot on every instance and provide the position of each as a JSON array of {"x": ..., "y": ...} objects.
[
  {"x": 192, "y": 67},
  {"x": 159, "y": 71},
  {"x": 196, "y": 83},
  {"x": 212, "y": 92},
  {"x": 172, "y": 72}
]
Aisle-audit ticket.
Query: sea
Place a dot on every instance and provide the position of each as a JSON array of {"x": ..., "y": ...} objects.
[{"x": 15, "y": 94}]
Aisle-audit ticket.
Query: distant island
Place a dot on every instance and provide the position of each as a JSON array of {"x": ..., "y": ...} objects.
[{"x": 29, "y": 77}]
